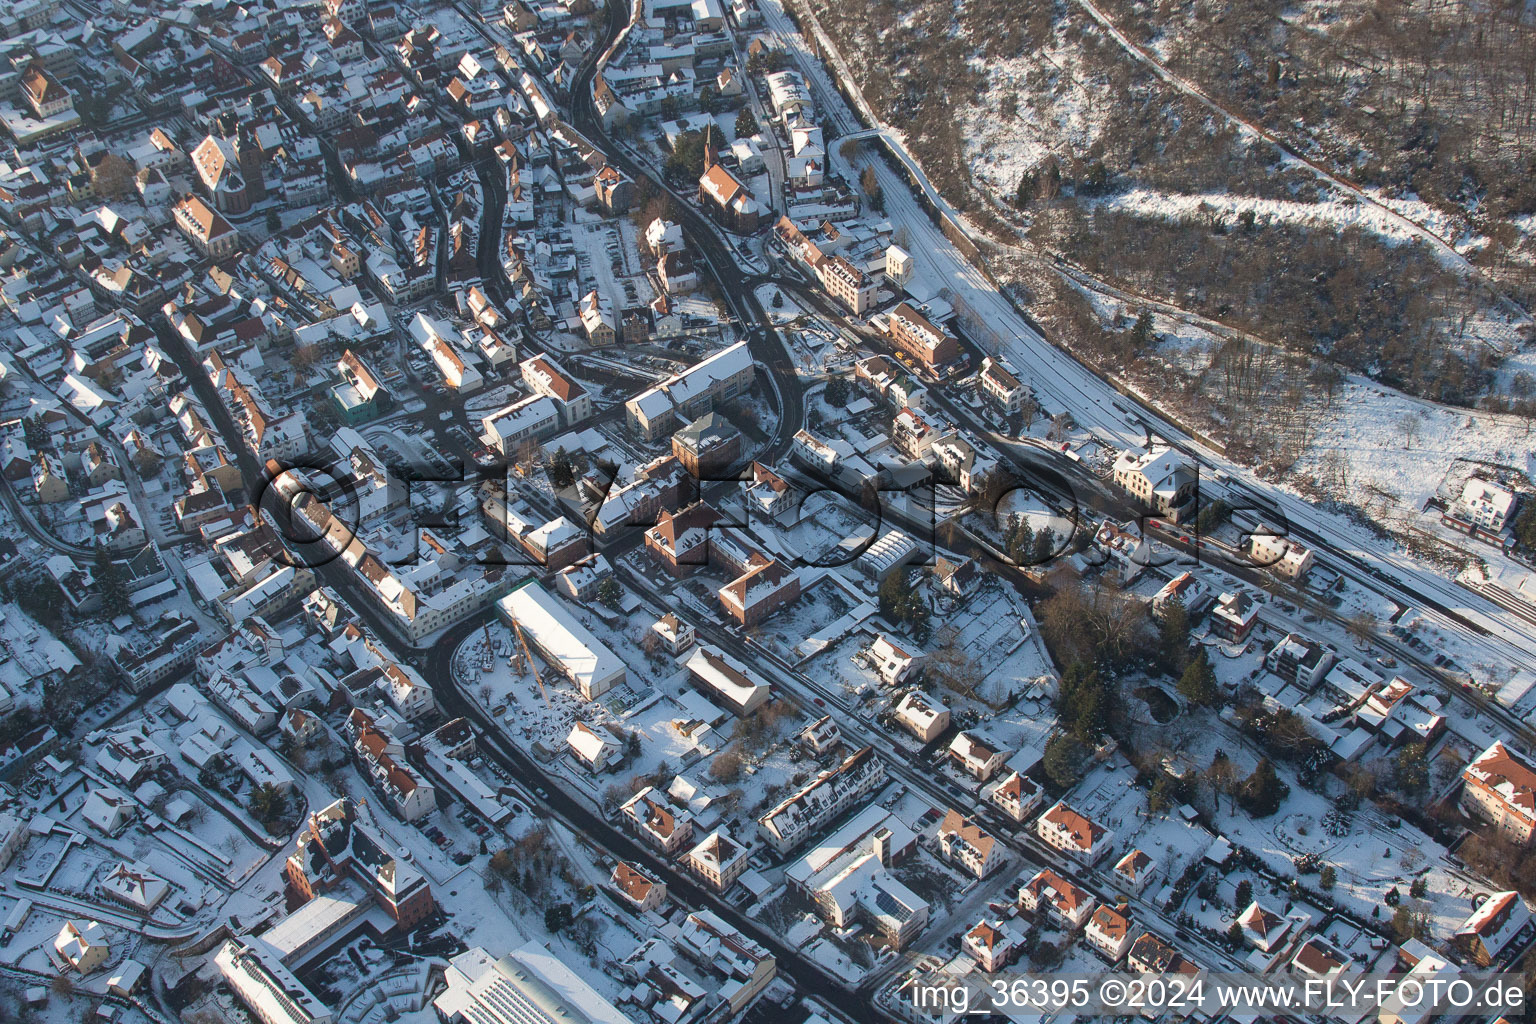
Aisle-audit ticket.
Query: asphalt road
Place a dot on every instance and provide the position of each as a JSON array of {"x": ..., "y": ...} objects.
[
  {"x": 736, "y": 285},
  {"x": 435, "y": 665},
  {"x": 438, "y": 667}
]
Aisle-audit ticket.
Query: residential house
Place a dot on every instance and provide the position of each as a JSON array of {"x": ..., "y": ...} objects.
[
  {"x": 1263, "y": 928},
  {"x": 968, "y": 845},
  {"x": 1234, "y": 617},
  {"x": 1075, "y": 835},
  {"x": 1160, "y": 479},
  {"x": 718, "y": 860},
  {"x": 1483, "y": 510},
  {"x": 998, "y": 384},
  {"x": 657, "y": 822},
  {"x": 923, "y": 716},
  {"x": 1109, "y": 932},
  {"x": 1136, "y": 870},
  {"x": 1015, "y": 795},
  {"x": 1048, "y": 893},
  {"x": 82, "y": 944},
  {"x": 676, "y": 635},
  {"x": 1499, "y": 786},
  {"x": 1492, "y": 928},
  {"x": 976, "y": 758},
  {"x": 1298, "y": 660},
  {"x": 1282, "y": 556},
  {"x": 593, "y": 751},
  {"x": 992, "y": 944},
  {"x": 1319, "y": 958},
  {"x": 920, "y": 338},
  {"x": 821, "y": 735},
  {"x": 1184, "y": 589},
  {"x": 637, "y": 889},
  {"x": 794, "y": 819},
  {"x": 894, "y": 663}
]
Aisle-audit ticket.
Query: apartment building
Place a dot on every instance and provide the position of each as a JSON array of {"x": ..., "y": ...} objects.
[
  {"x": 921, "y": 338},
  {"x": 794, "y": 819},
  {"x": 688, "y": 395},
  {"x": 1500, "y": 788},
  {"x": 847, "y": 283},
  {"x": 1078, "y": 837}
]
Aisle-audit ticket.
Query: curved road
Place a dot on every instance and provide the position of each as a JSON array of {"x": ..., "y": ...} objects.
[{"x": 737, "y": 286}]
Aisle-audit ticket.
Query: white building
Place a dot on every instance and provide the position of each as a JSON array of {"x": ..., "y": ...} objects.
[
  {"x": 1109, "y": 932},
  {"x": 969, "y": 845},
  {"x": 725, "y": 681},
  {"x": 1014, "y": 794},
  {"x": 848, "y": 877},
  {"x": 893, "y": 662},
  {"x": 1075, "y": 835},
  {"x": 1159, "y": 479},
  {"x": 82, "y": 944},
  {"x": 717, "y": 860},
  {"x": 686, "y": 396},
  {"x": 134, "y": 886},
  {"x": 1280, "y": 555},
  {"x": 529, "y": 985},
  {"x": 532, "y": 418},
  {"x": 1484, "y": 507},
  {"x": 1049, "y": 893},
  {"x": 592, "y": 751},
  {"x": 258, "y": 976},
  {"x": 562, "y": 641},
  {"x": 976, "y": 758},
  {"x": 793, "y": 820},
  {"x": 923, "y": 716}
]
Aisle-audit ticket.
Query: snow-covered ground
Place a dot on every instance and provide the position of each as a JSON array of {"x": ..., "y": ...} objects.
[{"x": 1335, "y": 212}]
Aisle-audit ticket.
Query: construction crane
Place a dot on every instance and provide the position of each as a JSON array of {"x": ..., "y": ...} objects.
[{"x": 528, "y": 655}]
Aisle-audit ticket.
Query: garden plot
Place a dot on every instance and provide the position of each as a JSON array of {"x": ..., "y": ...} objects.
[
  {"x": 993, "y": 633},
  {"x": 41, "y": 857},
  {"x": 1030, "y": 507},
  {"x": 216, "y": 844},
  {"x": 843, "y": 665},
  {"x": 1369, "y": 857},
  {"x": 1109, "y": 797},
  {"x": 25, "y": 950}
]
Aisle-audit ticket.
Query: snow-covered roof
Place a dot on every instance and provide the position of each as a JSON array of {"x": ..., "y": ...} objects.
[{"x": 561, "y": 638}]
